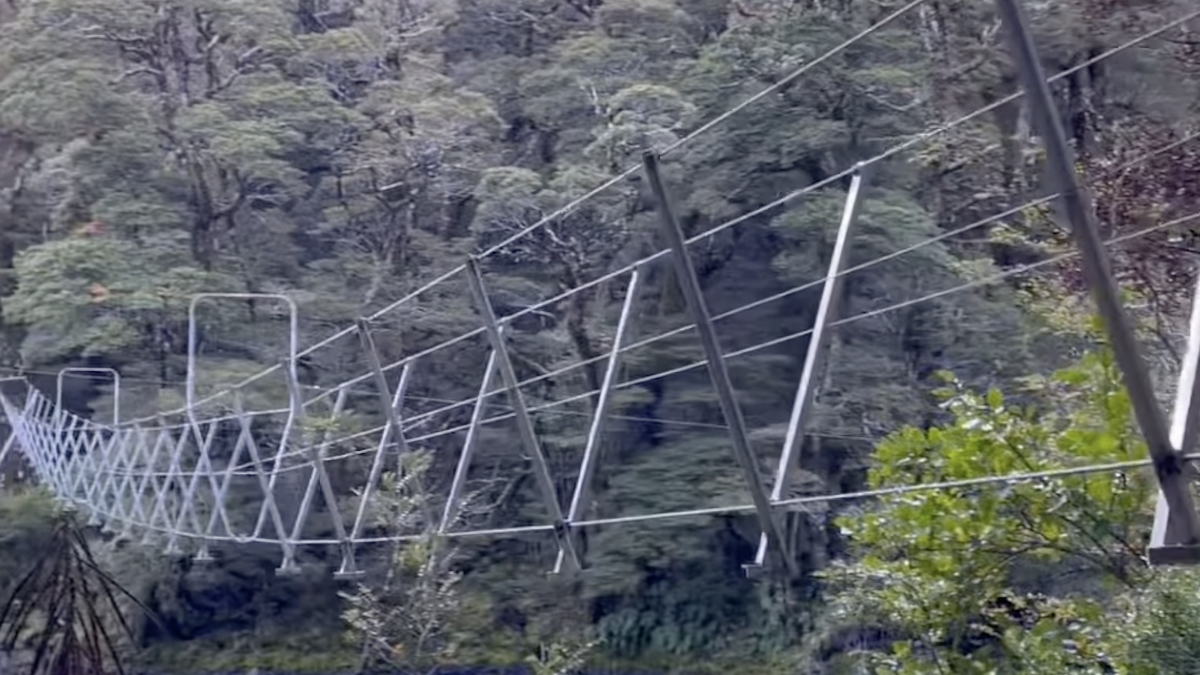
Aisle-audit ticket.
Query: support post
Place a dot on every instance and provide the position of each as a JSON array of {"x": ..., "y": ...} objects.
[
  {"x": 541, "y": 469},
  {"x": 287, "y": 564},
  {"x": 397, "y": 401},
  {"x": 8, "y": 446},
  {"x": 392, "y": 410},
  {"x": 814, "y": 360},
  {"x": 718, "y": 371},
  {"x": 582, "y": 498},
  {"x": 1097, "y": 268},
  {"x": 454, "y": 501},
  {"x": 1165, "y": 547},
  {"x": 320, "y": 478}
]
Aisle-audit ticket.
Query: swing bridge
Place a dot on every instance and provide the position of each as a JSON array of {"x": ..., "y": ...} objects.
[{"x": 160, "y": 478}]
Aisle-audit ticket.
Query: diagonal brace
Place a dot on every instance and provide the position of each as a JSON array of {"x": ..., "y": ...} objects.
[
  {"x": 454, "y": 502},
  {"x": 815, "y": 359},
  {"x": 524, "y": 423},
  {"x": 395, "y": 425},
  {"x": 718, "y": 371},
  {"x": 385, "y": 441},
  {"x": 1076, "y": 205},
  {"x": 9, "y": 443},
  {"x": 1165, "y": 536},
  {"x": 582, "y": 498}
]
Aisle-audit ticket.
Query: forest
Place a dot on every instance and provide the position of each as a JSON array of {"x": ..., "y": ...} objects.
[{"x": 348, "y": 153}]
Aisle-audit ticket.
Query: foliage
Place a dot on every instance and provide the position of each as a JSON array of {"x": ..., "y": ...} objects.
[
  {"x": 27, "y": 517},
  {"x": 409, "y": 620},
  {"x": 346, "y": 153},
  {"x": 64, "y": 609},
  {"x": 1158, "y": 628},
  {"x": 958, "y": 575},
  {"x": 560, "y": 659},
  {"x": 101, "y": 291}
]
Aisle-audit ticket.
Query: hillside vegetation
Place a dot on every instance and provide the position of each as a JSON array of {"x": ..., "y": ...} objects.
[{"x": 347, "y": 152}]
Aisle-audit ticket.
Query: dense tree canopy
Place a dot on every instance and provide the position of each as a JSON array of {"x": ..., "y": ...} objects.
[{"x": 347, "y": 153}]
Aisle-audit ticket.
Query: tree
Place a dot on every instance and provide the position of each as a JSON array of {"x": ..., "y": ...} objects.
[
  {"x": 97, "y": 295},
  {"x": 959, "y": 578},
  {"x": 62, "y": 612},
  {"x": 1158, "y": 625}
]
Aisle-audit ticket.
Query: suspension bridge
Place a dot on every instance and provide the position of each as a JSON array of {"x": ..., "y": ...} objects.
[{"x": 182, "y": 476}]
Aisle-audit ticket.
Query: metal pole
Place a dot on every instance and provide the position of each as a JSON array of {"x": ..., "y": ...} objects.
[
  {"x": 524, "y": 424},
  {"x": 116, "y": 378},
  {"x": 377, "y": 462},
  {"x": 1097, "y": 269},
  {"x": 320, "y": 478},
  {"x": 814, "y": 360},
  {"x": 454, "y": 501},
  {"x": 582, "y": 498},
  {"x": 718, "y": 371},
  {"x": 269, "y": 507},
  {"x": 393, "y": 415},
  {"x": 8, "y": 446},
  {"x": 1167, "y": 532}
]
